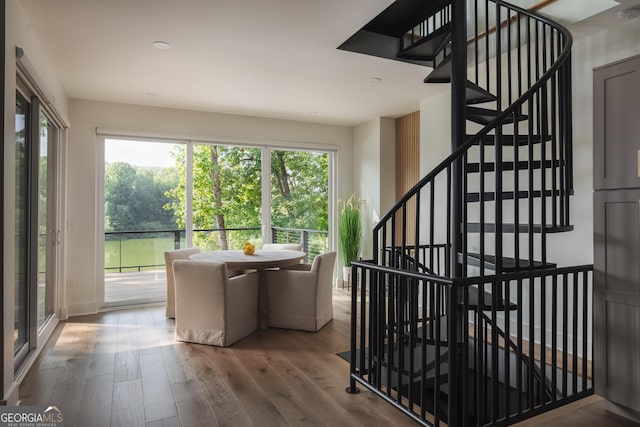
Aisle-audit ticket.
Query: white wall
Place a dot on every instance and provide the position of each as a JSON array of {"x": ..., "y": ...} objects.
[
  {"x": 435, "y": 146},
  {"x": 17, "y": 33},
  {"x": 374, "y": 173},
  {"x": 84, "y": 184},
  {"x": 435, "y": 131}
]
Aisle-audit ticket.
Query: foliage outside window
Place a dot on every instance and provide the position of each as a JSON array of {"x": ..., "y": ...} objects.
[{"x": 227, "y": 195}]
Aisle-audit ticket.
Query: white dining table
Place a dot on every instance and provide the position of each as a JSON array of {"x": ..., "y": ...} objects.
[{"x": 260, "y": 260}]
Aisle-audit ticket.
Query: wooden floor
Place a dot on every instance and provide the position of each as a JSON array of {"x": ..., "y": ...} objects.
[
  {"x": 590, "y": 411},
  {"x": 125, "y": 369}
]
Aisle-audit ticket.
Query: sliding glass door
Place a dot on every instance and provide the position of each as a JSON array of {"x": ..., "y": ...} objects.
[
  {"x": 160, "y": 196},
  {"x": 35, "y": 245}
]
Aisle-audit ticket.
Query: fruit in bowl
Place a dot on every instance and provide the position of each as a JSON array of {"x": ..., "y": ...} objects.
[{"x": 248, "y": 248}]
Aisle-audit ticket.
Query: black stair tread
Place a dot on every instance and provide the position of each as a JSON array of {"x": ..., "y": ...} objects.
[
  {"x": 487, "y": 301},
  {"x": 474, "y": 93},
  {"x": 427, "y": 47},
  {"x": 430, "y": 361},
  {"x": 490, "y": 196},
  {"x": 509, "y": 166},
  {"x": 477, "y": 95},
  {"x": 521, "y": 140},
  {"x": 430, "y": 331},
  {"x": 484, "y": 116},
  {"x": 474, "y": 227},
  {"x": 508, "y": 264},
  {"x": 441, "y": 73}
]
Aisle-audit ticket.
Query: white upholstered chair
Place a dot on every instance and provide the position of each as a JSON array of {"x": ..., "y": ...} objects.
[
  {"x": 212, "y": 308},
  {"x": 169, "y": 257},
  {"x": 298, "y": 299},
  {"x": 282, "y": 246}
]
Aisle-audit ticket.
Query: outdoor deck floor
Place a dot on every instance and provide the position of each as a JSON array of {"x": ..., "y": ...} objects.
[{"x": 126, "y": 288}]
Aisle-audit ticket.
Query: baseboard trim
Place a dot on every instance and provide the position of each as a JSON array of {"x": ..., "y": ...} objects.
[
  {"x": 82, "y": 309},
  {"x": 623, "y": 411}
]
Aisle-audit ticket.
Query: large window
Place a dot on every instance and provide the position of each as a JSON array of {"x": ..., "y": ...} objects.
[
  {"x": 226, "y": 197},
  {"x": 164, "y": 196},
  {"x": 300, "y": 199}
]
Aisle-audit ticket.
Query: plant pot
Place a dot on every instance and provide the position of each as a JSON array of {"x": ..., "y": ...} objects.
[{"x": 346, "y": 274}]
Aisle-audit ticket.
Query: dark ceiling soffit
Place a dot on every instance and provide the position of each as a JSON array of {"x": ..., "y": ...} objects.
[{"x": 382, "y": 35}]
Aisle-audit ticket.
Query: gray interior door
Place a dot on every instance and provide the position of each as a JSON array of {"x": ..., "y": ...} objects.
[
  {"x": 616, "y": 159},
  {"x": 617, "y": 296}
]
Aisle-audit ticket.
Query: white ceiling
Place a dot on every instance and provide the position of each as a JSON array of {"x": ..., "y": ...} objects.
[{"x": 275, "y": 58}]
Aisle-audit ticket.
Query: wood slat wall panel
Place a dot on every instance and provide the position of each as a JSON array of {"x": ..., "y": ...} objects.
[{"x": 407, "y": 167}]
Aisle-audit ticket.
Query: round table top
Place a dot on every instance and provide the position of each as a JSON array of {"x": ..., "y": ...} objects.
[{"x": 237, "y": 260}]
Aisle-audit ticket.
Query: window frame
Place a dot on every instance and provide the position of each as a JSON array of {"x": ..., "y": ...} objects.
[{"x": 266, "y": 147}]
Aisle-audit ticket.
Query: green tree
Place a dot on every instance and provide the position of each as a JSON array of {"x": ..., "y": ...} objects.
[
  {"x": 299, "y": 190},
  {"x": 119, "y": 182},
  {"x": 135, "y": 197},
  {"x": 226, "y": 193}
]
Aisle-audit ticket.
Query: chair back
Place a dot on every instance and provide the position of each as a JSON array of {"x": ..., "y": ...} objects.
[
  {"x": 323, "y": 266},
  {"x": 282, "y": 246},
  {"x": 212, "y": 308},
  {"x": 169, "y": 257},
  {"x": 200, "y": 300}
]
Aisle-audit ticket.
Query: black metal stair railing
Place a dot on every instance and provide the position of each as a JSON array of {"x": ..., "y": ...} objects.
[
  {"x": 461, "y": 319},
  {"x": 522, "y": 156},
  {"x": 511, "y": 360}
]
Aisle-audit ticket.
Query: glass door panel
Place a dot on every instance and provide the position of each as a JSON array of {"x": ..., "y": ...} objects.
[
  {"x": 300, "y": 199},
  {"x": 21, "y": 321},
  {"x": 46, "y": 220},
  {"x": 227, "y": 197},
  {"x": 142, "y": 184}
]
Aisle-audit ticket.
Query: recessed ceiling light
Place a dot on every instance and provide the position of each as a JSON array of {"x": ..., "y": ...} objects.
[
  {"x": 161, "y": 45},
  {"x": 151, "y": 95},
  {"x": 375, "y": 79},
  {"x": 629, "y": 14},
  {"x": 313, "y": 113}
]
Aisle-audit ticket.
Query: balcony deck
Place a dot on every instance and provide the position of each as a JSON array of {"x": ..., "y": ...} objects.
[{"x": 135, "y": 287}]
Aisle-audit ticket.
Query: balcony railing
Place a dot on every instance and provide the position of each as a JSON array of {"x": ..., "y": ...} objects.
[
  {"x": 314, "y": 242},
  {"x": 140, "y": 250}
]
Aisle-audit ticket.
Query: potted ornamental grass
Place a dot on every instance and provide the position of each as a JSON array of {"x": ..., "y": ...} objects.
[{"x": 350, "y": 233}]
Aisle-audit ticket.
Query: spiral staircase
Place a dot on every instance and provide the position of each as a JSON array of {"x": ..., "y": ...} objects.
[{"x": 461, "y": 318}]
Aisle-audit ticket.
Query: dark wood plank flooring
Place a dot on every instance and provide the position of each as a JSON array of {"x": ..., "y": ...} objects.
[{"x": 124, "y": 368}]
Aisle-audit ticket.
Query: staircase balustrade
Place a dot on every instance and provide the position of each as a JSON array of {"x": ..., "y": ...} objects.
[{"x": 473, "y": 324}]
